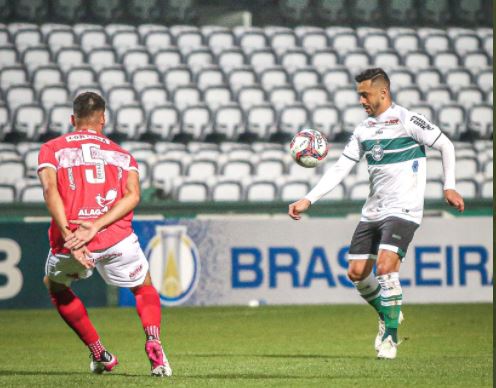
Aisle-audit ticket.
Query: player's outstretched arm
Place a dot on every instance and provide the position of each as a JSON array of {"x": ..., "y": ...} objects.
[
  {"x": 298, "y": 207},
  {"x": 88, "y": 229},
  {"x": 454, "y": 199}
]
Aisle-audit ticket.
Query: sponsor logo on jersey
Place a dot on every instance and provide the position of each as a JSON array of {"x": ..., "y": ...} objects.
[
  {"x": 415, "y": 166},
  {"x": 84, "y": 136},
  {"x": 391, "y": 122},
  {"x": 421, "y": 123},
  {"x": 174, "y": 263},
  {"x": 103, "y": 202},
  {"x": 377, "y": 152},
  {"x": 370, "y": 124}
]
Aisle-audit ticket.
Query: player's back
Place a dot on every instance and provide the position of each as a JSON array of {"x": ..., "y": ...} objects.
[{"x": 91, "y": 177}]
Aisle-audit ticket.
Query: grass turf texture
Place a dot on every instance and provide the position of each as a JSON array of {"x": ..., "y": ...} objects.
[{"x": 446, "y": 345}]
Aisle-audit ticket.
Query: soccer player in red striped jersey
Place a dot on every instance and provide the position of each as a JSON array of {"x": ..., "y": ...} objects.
[{"x": 91, "y": 187}]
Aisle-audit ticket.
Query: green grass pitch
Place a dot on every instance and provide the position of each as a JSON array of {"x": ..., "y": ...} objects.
[{"x": 303, "y": 346}]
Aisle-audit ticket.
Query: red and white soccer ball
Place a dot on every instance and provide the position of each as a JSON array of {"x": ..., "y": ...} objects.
[{"x": 309, "y": 148}]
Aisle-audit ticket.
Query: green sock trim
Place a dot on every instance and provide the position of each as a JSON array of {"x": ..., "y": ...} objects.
[
  {"x": 376, "y": 304},
  {"x": 391, "y": 332}
]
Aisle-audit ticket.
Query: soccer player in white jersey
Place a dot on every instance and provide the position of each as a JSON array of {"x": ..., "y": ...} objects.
[
  {"x": 393, "y": 141},
  {"x": 91, "y": 187}
]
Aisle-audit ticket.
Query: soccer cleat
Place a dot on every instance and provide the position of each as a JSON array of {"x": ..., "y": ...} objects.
[
  {"x": 387, "y": 349},
  {"x": 159, "y": 364},
  {"x": 106, "y": 363},
  {"x": 382, "y": 330}
]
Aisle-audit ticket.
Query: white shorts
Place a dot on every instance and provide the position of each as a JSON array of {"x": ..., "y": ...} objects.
[{"x": 122, "y": 265}]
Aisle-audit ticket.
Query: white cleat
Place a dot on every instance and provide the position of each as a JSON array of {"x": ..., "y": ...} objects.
[
  {"x": 162, "y": 371},
  {"x": 387, "y": 349},
  {"x": 382, "y": 330}
]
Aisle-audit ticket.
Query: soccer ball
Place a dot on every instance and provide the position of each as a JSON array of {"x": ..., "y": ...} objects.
[{"x": 309, "y": 148}]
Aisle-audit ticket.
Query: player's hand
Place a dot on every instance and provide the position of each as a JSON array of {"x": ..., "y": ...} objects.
[
  {"x": 298, "y": 207},
  {"x": 454, "y": 199},
  {"x": 82, "y": 235},
  {"x": 83, "y": 256}
]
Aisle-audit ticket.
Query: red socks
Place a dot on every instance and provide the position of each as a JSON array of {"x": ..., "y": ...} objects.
[
  {"x": 72, "y": 310},
  {"x": 149, "y": 310}
]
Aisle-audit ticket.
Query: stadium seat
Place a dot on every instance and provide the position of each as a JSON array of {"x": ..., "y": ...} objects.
[
  {"x": 343, "y": 42},
  {"x": 155, "y": 41},
  {"x": 469, "y": 96},
  {"x": 299, "y": 173},
  {"x": 408, "y": 96},
  {"x": 216, "y": 96},
  {"x": 52, "y": 95},
  {"x": 458, "y": 78},
  {"x": 486, "y": 189},
  {"x": 451, "y": 119},
  {"x": 165, "y": 59},
  {"x": 336, "y": 78},
  {"x": 283, "y": 41},
  {"x": 46, "y": 75},
  {"x": 468, "y": 188},
  {"x": 8, "y": 56},
  {"x": 129, "y": 122},
  {"x": 400, "y": 78},
  {"x": 229, "y": 59},
  {"x": 163, "y": 171},
  {"x": 143, "y": 77},
  {"x": 186, "y": 95},
  {"x": 251, "y": 41},
  {"x": 240, "y": 77},
  {"x": 227, "y": 191},
  {"x": 294, "y": 59},
  {"x": 270, "y": 169},
  {"x": 4, "y": 120},
  {"x": 59, "y": 119},
  {"x": 387, "y": 60},
  {"x": 12, "y": 75},
  {"x": 237, "y": 169},
  {"x": 434, "y": 168},
  {"x": 79, "y": 76},
  {"x": 36, "y": 56},
  {"x": 11, "y": 172},
  {"x": 101, "y": 57},
  {"x": 249, "y": 96},
  {"x": 18, "y": 95},
  {"x": 111, "y": 76},
  {"x": 292, "y": 118},
  {"x": 324, "y": 59},
  {"x": 196, "y": 122},
  {"x": 485, "y": 79},
  {"x": 438, "y": 96},
  {"x": 4, "y": 36},
  {"x": 476, "y": 60},
  {"x": 356, "y": 60},
  {"x": 375, "y": 42},
  {"x": 345, "y": 96},
  {"x": 339, "y": 193},
  {"x": 124, "y": 40},
  {"x": 434, "y": 189},
  {"x": 28, "y": 120},
  {"x": 326, "y": 118},
  {"x": 228, "y": 120},
  {"x": 209, "y": 76},
  {"x": 260, "y": 120},
  {"x": 118, "y": 96},
  {"x": 435, "y": 43},
  {"x": 27, "y": 38},
  {"x": 465, "y": 43},
  {"x": 352, "y": 115},
  {"x": 163, "y": 120},
  {"x": 31, "y": 193},
  {"x": 282, "y": 96},
  {"x": 135, "y": 58},
  {"x": 487, "y": 44},
  {"x": 59, "y": 38},
  {"x": 202, "y": 169},
  {"x": 177, "y": 76},
  {"x": 304, "y": 78},
  {"x": 404, "y": 43},
  {"x": 273, "y": 77},
  {"x": 445, "y": 60},
  {"x": 428, "y": 78},
  {"x": 314, "y": 96},
  {"x": 313, "y": 42},
  {"x": 8, "y": 193},
  {"x": 69, "y": 57},
  {"x": 293, "y": 190},
  {"x": 466, "y": 167},
  {"x": 192, "y": 192},
  {"x": 221, "y": 40},
  {"x": 417, "y": 60},
  {"x": 262, "y": 59},
  {"x": 199, "y": 58},
  {"x": 93, "y": 38},
  {"x": 259, "y": 191},
  {"x": 480, "y": 120}
]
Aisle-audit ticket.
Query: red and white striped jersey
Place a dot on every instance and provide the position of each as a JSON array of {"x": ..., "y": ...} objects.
[{"x": 91, "y": 177}]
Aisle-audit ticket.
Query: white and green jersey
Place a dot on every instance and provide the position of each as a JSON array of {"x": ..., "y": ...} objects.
[{"x": 393, "y": 144}]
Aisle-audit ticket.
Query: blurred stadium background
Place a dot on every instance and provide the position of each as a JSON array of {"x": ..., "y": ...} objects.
[{"x": 207, "y": 95}]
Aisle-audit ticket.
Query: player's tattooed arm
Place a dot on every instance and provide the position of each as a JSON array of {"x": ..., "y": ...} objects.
[{"x": 88, "y": 229}]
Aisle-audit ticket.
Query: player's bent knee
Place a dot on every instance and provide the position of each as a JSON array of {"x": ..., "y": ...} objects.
[{"x": 356, "y": 275}]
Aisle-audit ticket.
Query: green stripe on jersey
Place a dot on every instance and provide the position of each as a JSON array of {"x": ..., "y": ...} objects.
[
  {"x": 389, "y": 144},
  {"x": 397, "y": 157}
]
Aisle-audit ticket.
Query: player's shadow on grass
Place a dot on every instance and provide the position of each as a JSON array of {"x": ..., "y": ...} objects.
[
  {"x": 316, "y": 356},
  {"x": 59, "y": 373}
]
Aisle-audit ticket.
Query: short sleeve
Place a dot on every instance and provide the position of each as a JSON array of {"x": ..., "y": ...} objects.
[
  {"x": 133, "y": 165},
  {"x": 353, "y": 149},
  {"x": 46, "y": 158},
  {"x": 421, "y": 129}
]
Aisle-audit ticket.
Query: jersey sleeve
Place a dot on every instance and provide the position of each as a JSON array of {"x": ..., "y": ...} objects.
[
  {"x": 353, "y": 149},
  {"x": 421, "y": 129},
  {"x": 46, "y": 158},
  {"x": 133, "y": 164}
]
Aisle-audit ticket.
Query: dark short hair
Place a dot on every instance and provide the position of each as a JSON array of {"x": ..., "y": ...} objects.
[
  {"x": 373, "y": 74},
  {"x": 86, "y": 104}
]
